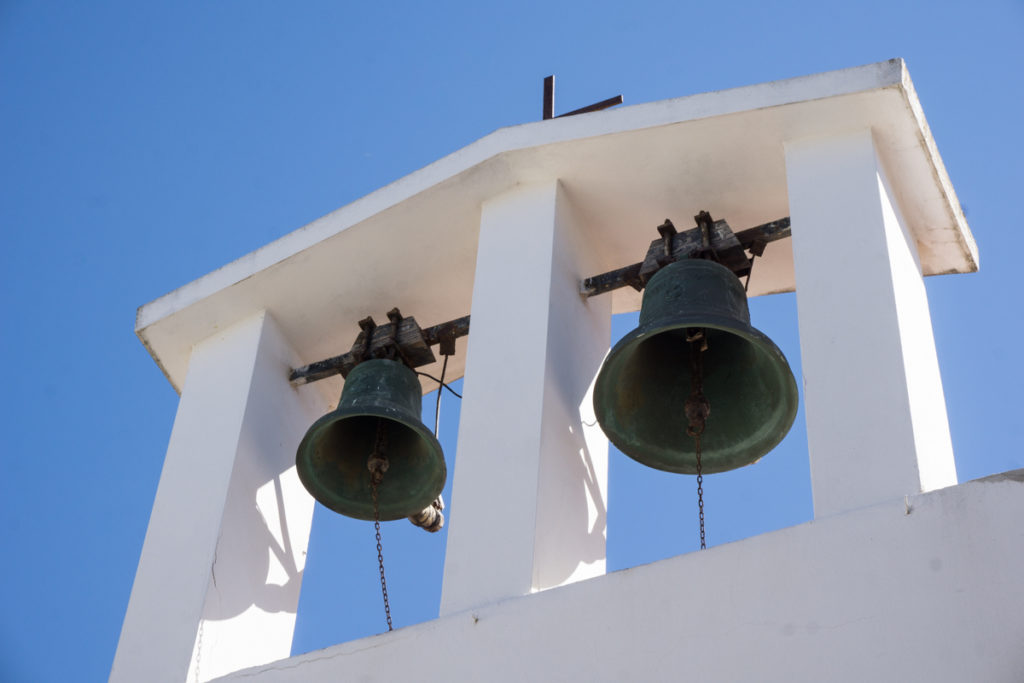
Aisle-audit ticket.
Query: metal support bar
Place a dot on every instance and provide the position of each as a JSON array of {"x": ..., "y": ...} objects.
[
  {"x": 404, "y": 335},
  {"x": 548, "y": 111},
  {"x": 549, "y": 97},
  {"x": 597, "y": 106},
  {"x": 612, "y": 280},
  {"x": 455, "y": 328},
  {"x": 672, "y": 246},
  {"x": 766, "y": 232}
]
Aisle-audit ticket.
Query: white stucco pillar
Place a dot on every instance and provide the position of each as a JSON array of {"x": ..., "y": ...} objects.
[
  {"x": 530, "y": 482},
  {"x": 876, "y": 416},
  {"x": 227, "y": 537}
]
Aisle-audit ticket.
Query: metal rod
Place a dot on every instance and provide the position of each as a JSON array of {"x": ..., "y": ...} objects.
[
  {"x": 549, "y": 102},
  {"x": 766, "y": 232},
  {"x": 549, "y": 98},
  {"x": 606, "y": 282},
  {"x": 597, "y": 106},
  {"x": 457, "y": 328}
]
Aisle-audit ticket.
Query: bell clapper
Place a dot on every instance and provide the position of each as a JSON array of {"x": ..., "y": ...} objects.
[
  {"x": 697, "y": 409},
  {"x": 378, "y": 462}
]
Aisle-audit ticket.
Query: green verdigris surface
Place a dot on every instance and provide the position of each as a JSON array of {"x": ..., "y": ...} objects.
[
  {"x": 332, "y": 456},
  {"x": 646, "y": 379}
]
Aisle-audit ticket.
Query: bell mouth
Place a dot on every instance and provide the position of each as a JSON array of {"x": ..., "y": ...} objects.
[
  {"x": 380, "y": 398},
  {"x": 332, "y": 461},
  {"x": 645, "y": 381}
]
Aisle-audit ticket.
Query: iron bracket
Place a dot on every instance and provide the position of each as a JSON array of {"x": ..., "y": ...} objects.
[
  {"x": 709, "y": 239},
  {"x": 399, "y": 339}
]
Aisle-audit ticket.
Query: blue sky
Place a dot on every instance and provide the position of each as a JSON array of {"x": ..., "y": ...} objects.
[{"x": 145, "y": 144}]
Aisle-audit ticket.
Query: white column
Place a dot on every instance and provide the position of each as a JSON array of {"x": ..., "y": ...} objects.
[
  {"x": 530, "y": 483},
  {"x": 876, "y": 416},
  {"x": 227, "y": 537}
]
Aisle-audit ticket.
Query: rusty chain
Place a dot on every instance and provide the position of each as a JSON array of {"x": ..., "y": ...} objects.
[
  {"x": 697, "y": 410},
  {"x": 700, "y": 491},
  {"x": 378, "y": 464}
]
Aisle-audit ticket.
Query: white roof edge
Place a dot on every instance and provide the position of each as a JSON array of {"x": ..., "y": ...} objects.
[
  {"x": 648, "y": 115},
  {"x": 144, "y": 338},
  {"x": 927, "y": 140}
]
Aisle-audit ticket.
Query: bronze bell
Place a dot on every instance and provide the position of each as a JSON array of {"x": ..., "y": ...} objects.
[
  {"x": 642, "y": 388},
  {"x": 379, "y": 416}
]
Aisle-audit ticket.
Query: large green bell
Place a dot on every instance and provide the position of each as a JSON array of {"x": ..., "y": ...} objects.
[
  {"x": 379, "y": 410},
  {"x": 643, "y": 385}
]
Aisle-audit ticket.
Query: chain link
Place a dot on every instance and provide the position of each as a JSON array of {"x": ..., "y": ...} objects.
[
  {"x": 380, "y": 556},
  {"x": 697, "y": 409},
  {"x": 700, "y": 492},
  {"x": 378, "y": 464}
]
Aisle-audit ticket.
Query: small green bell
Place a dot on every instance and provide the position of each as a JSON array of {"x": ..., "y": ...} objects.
[
  {"x": 379, "y": 412},
  {"x": 642, "y": 387}
]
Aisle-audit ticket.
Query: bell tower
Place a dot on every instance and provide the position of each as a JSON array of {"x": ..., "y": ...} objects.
[{"x": 887, "y": 582}]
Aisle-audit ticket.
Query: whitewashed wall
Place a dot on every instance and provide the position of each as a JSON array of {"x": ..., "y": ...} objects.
[{"x": 927, "y": 589}]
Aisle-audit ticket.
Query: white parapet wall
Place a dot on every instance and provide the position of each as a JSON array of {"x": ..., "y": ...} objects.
[{"x": 926, "y": 588}]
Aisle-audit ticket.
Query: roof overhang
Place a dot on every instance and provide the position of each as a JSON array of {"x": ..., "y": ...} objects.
[{"x": 412, "y": 244}]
